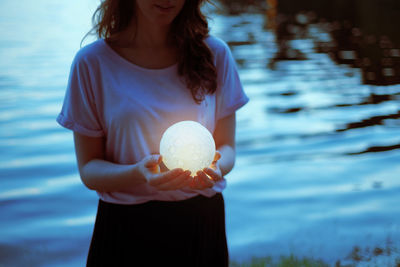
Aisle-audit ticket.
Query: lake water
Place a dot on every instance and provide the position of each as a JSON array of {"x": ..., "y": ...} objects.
[{"x": 305, "y": 180}]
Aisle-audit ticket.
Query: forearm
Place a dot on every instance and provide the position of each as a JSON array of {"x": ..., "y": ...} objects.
[
  {"x": 227, "y": 160},
  {"x": 101, "y": 175}
]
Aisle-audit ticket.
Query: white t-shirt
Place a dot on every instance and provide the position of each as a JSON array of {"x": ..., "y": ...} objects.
[{"x": 131, "y": 106}]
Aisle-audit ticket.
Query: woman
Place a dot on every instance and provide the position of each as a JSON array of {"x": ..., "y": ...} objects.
[{"x": 153, "y": 65}]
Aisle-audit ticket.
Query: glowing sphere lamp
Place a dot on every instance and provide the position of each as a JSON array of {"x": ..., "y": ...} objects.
[{"x": 187, "y": 145}]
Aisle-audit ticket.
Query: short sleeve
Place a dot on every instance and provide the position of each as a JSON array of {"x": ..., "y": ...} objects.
[
  {"x": 79, "y": 111},
  {"x": 230, "y": 93}
]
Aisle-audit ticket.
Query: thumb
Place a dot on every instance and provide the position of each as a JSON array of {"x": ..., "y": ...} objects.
[
  {"x": 217, "y": 156},
  {"x": 152, "y": 161}
]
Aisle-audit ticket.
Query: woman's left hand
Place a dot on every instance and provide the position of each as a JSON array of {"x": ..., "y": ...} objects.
[{"x": 207, "y": 177}]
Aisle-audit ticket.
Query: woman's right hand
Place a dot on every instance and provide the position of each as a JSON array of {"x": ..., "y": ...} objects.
[{"x": 174, "y": 179}]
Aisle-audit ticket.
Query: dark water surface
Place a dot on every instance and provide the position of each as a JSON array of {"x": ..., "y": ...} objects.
[{"x": 317, "y": 171}]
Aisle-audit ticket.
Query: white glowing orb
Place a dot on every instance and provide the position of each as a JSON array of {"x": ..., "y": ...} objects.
[{"x": 187, "y": 145}]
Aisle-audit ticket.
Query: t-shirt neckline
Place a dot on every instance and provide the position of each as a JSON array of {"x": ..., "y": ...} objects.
[{"x": 126, "y": 62}]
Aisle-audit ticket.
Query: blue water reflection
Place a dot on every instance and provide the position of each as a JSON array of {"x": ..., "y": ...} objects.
[{"x": 318, "y": 149}]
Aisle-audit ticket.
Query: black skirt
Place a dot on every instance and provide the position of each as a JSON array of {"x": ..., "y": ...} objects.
[{"x": 160, "y": 233}]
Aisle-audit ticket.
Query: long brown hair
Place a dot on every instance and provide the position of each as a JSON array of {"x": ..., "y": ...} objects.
[{"x": 188, "y": 32}]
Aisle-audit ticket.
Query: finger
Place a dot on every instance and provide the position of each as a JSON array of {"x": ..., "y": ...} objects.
[
  {"x": 201, "y": 184},
  {"x": 176, "y": 182},
  {"x": 213, "y": 174},
  {"x": 165, "y": 177},
  {"x": 196, "y": 183},
  {"x": 187, "y": 183},
  {"x": 217, "y": 156},
  {"x": 207, "y": 182},
  {"x": 152, "y": 161}
]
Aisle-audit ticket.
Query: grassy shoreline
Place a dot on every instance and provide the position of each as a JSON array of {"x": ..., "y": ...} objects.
[{"x": 367, "y": 257}]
